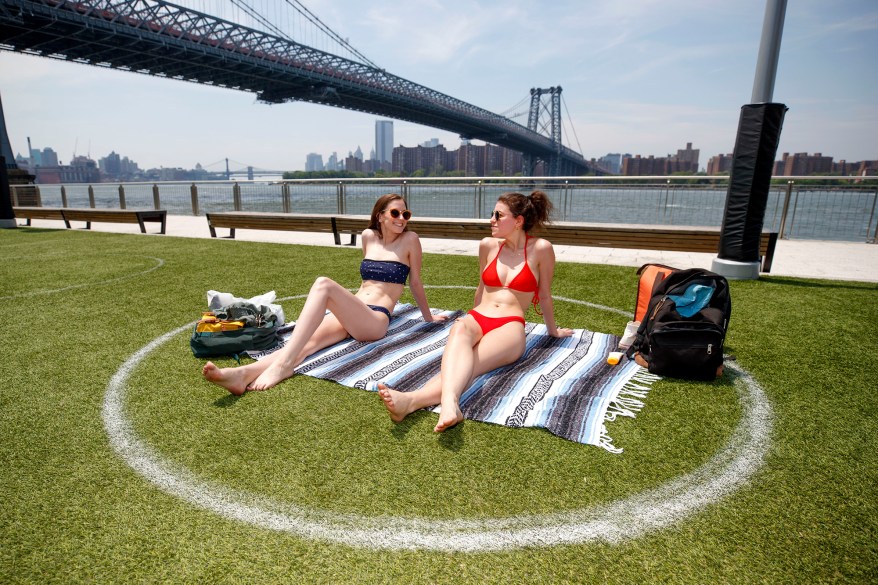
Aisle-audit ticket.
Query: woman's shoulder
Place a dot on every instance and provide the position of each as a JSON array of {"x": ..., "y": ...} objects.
[{"x": 541, "y": 244}]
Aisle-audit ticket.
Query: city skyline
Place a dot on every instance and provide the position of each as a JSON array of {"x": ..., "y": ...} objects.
[{"x": 642, "y": 77}]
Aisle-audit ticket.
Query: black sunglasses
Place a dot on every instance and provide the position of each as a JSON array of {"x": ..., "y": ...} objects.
[
  {"x": 406, "y": 215},
  {"x": 496, "y": 215}
]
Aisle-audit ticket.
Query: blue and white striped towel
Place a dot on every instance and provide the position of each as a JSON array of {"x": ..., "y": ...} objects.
[{"x": 562, "y": 385}]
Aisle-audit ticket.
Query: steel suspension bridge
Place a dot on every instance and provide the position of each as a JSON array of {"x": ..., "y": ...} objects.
[{"x": 157, "y": 38}]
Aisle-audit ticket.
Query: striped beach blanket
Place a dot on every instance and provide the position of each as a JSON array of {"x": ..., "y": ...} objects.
[{"x": 562, "y": 385}]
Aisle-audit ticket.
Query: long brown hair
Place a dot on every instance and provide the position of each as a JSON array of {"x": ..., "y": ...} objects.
[
  {"x": 535, "y": 208},
  {"x": 380, "y": 206}
]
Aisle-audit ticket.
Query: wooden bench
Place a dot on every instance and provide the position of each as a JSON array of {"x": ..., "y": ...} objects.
[
  {"x": 254, "y": 220},
  {"x": 138, "y": 216},
  {"x": 674, "y": 239},
  {"x": 88, "y": 215},
  {"x": 30, "y": 213}
]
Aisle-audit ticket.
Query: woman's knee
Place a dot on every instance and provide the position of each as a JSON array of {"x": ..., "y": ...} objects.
[{"x": 322, "y": 284}]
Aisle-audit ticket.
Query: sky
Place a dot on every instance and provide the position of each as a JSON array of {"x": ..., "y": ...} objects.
[{"x": 638, "y": 76}]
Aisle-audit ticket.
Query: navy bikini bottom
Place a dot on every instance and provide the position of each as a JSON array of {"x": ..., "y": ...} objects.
[{"x": 380, "y": 309}]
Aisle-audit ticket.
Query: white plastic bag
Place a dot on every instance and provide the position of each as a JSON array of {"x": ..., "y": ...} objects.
[{"x": 217, "y": 300}]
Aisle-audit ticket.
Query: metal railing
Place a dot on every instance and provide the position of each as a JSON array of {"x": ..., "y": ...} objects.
[{"x": 821, "y": 208}]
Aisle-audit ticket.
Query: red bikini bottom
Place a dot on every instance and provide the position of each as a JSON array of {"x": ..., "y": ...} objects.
[{"x": 488, "y": 324}]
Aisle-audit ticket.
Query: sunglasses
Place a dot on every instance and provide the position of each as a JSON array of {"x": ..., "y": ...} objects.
[
  {"x": 496, "y": 215},
  {"x": 395, "y": 213}
]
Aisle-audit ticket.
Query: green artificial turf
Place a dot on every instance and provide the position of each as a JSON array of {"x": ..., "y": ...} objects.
[{"x": 78, "y": 305}]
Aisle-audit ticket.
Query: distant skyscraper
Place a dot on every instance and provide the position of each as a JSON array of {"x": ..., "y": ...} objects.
[
  {"x": 358, "y": 154},
  {"x": 384, "y": 140},
  {"x": 314, "y": 162}
]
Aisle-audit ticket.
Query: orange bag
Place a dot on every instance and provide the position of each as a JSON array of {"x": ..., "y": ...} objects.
[{"x": 650, "y": 275}]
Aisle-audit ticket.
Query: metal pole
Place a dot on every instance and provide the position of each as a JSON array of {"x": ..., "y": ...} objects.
[
  {"x": 769, "y": 51},
  {"x": 874, "y": 238},
  {"x": 193, "y": 192},
  {"x": 786, "y": 207},
  {"x": 285, "y": 193},
  {"x": 236, "y": 196}
]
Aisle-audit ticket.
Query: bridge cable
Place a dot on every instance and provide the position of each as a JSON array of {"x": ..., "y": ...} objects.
[
  {"x": 511, "y": 112},
  {"x": 572, "y": 127},
  {"x": 303, "y": 10},
  {"x": 261, "y": 19}
]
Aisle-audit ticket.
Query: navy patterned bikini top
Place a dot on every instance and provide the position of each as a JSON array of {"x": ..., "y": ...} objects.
[{"x": 384, "y": 271}]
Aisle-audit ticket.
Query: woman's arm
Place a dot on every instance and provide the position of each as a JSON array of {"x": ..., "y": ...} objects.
[
  {"x": 484, "y": 251},
  {"x": 416, "y": 285},
  {"x": 546, "y": 267}
]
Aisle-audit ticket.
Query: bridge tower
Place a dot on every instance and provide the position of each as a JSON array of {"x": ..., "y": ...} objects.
[{"x": 541, "y": 109}]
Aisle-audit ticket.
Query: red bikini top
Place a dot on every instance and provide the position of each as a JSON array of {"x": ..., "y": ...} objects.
[{"x": 524, "y": 281}]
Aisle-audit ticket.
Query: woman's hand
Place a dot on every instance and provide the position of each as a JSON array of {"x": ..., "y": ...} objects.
[
  {"x": 436, "y": 318},
  {"x": 561, "y": 332}
]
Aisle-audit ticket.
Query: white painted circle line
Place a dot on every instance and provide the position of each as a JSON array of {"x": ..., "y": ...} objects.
[
  {"x": 614, "y": 522},
  {"x": 159, "y": 264}
]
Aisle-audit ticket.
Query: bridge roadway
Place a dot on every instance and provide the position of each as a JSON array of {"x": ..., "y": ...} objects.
[
  {"x": 856, "y": 261},
  {"x": 165, "y": 40}
]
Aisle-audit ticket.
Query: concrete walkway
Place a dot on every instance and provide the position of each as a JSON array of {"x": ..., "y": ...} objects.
[{"x": 800, "y": 258}]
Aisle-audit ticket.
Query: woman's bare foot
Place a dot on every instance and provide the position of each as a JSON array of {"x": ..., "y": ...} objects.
[
  {"x": 270, "y": 378},
  {"x": 232, "y": 379},
  {"x": 397, "y": 403},
  {"x": 448, "y": 417}
]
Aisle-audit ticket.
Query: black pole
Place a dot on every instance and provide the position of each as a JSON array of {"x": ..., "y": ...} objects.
[
  {"x": 7, "y": 215},
  {"x": 753, "y": 160},
  {"x": 750, "y": 181}
]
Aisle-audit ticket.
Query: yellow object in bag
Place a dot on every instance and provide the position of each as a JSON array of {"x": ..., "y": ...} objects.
[{"x": 209, "y": 323}]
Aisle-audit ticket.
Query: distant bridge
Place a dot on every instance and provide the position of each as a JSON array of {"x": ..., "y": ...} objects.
[{"x": 157, "y": 38}]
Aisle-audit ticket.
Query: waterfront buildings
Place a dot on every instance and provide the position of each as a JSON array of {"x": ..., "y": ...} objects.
[
  {"x": 611, "y": 162},
  {"x": 469, "y": 160},
  {"x": 720, "y": 164},
  {"x": 801, "y": 164},
  {"x": 685, "y": 161}
]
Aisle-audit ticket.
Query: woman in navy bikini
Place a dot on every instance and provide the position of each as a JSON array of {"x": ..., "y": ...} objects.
[
  {"x": 516, "y": 271},
  {"x": 391, "y": 254}
]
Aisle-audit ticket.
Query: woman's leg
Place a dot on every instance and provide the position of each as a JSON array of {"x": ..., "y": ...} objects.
[
  {"x": 501, "y": 346},
  {"x": 464, "y": 334},
  {"x": 237, "y": 379},
  {"x": 462, "y": 365},
  {"x": 350, "y": 317},
  {"x": 329, "y": 330},
  {"x": 401, "y": 404}
]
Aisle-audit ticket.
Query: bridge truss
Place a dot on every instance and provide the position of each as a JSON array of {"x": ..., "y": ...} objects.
[{"x": 158, "y": 38}]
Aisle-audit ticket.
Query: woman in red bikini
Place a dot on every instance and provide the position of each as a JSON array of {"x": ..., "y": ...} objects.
[
  {"x": 392, "y": 254},
  {"x": 516, "y": 271}
]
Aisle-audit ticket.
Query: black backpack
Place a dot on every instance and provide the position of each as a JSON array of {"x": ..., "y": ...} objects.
[
  {"x": 259, "y": 331},
  {"x": 680, "y": 346}
]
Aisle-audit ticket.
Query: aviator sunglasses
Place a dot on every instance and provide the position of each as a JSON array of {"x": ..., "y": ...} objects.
[
  {"x": 406, "y": 215},
  {"x": 496, "y": 215}
]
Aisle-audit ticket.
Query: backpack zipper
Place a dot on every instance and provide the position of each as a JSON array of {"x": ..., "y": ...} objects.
[{"x": 658, "y": 306}]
